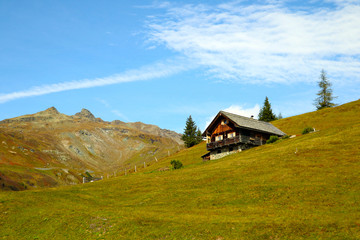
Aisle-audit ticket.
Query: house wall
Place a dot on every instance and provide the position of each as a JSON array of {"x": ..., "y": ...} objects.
[{"x": 225, "y": 151}]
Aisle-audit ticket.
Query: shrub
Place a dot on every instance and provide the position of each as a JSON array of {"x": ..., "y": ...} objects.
[
  {"x": 307, "y": 130},
  {"x": 272, "y": 139},
  {"x": 176, "y": 164},
  {"x": 285, "y": 137},
  {"x": 87, "y": 176}
]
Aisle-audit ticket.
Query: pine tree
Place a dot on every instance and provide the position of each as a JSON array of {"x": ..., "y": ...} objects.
[
  {"x": 325, "y": 97},
  {"x": 266, "y": 114},
  {"x": 192, "y": 134},
  {"x": 198, "y": 136}
]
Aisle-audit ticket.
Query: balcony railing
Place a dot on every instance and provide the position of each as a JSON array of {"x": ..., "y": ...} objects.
[{"x": 233, "y": 141}]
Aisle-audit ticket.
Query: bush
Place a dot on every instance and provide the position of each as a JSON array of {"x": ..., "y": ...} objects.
[
  {"x": 176, "y": 164},
  {"x": 307, "y": 130},
  {"x": 285, "y": 137},
  {"x": 272, "y": 139},
  {"x": 87, "y": 176}
]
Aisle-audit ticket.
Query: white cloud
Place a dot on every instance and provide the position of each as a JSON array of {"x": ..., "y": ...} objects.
[
  {"x": 157, "y": 70},
  {"x": 239, "y": 110},
  {"x": 265, "y": 43},
  {"x": 246, "y": 112}
]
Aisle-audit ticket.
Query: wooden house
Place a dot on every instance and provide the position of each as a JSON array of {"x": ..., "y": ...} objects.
[{"x": 229, "y": 133}]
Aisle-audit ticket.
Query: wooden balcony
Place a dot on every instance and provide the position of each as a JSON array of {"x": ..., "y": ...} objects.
[{"x": 233, "y": 141}]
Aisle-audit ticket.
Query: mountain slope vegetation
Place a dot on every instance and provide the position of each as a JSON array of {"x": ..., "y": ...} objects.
[
  {"x": 50, "y": 149},
  {"x": 307, "y": 187}
]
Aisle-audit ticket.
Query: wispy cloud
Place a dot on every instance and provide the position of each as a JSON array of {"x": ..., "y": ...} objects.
[
  {"x": 114, "y": 111},
  {"x": 265, "y": 43},
  {"x": 157, "y": 70}
]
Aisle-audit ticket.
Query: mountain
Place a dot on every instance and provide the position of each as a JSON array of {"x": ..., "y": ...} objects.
[
  {"x": 49, "y": 148},
  {"x": 306, "y": 187}
]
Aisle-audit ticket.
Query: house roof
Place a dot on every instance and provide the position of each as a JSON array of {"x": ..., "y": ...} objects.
[{"x": 248, "y": 123}]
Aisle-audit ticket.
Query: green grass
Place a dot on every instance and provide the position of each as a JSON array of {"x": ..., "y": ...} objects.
[
  {"x": 306, "y": 187},
  {"x": 344, "y": 115}
]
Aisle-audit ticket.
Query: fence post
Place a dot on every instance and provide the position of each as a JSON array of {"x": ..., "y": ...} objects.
[
  {"x": 144, "y": 165},
  {"x": 135, "y": 168}
]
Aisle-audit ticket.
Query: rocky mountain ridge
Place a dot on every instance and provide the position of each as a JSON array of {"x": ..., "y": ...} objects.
[
  {"x": 53, "y": 115},
  {"x": 49, "y": 148}
]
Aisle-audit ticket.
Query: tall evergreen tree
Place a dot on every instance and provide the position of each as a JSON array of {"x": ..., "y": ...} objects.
[
  {"x": 192, "y": 134},
  {"x": 266, "y": 114},
  {"x": 199, "y": 136},
  {"x": 325, "y": 97}
]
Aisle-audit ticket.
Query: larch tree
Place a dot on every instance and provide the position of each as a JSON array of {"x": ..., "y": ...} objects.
[
  {"x": 325, "y": 94},
  {"x": 192, "y": 134},
  {"x": 266, "y": 114}
]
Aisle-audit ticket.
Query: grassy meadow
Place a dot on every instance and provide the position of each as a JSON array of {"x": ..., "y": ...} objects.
[{"x": 307, "y": 187}]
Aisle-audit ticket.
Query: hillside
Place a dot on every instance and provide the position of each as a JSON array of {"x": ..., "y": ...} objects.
[
  {"x": 346, "y": 115},
  {"x": 306, "y": 187},
  {"x": 50, "y": 148}
]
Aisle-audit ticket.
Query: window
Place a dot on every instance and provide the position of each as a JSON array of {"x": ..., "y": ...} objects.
[
  {"x": 231, "y": 135},
  {"x": 219, "y": 138},
  {"x": 224, "y": 122}
]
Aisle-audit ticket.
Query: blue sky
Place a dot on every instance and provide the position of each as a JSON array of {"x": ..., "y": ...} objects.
[{"x": 159, "y": 62}]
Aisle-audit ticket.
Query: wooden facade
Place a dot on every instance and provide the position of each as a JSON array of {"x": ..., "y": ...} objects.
[{"x": 230, "y": 133}]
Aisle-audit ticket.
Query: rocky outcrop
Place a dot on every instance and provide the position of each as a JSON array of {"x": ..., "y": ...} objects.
[
  {"x": 50, "y": 111},
  {"x": 50, "y": 114},
  {"x": 86, "y": 114}
]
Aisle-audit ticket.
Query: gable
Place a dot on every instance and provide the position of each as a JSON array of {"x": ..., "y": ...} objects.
[
  {"x": 222, "y": 128},
  {"x": 218, "y": 125}
]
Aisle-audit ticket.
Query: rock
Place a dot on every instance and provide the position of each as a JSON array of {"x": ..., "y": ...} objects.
[
  {"x": 50, "y": 111},
  {"x": 164, "y": 169},
  {"x": 48, "y": 115},
  {"x": 117, "y": 122},
  {"x": 86, "y": 114}
]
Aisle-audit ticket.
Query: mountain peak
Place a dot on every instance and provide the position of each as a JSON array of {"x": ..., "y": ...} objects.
[
  {"x": 50, "y": 111},
  {"x": 86, "y": 114}
]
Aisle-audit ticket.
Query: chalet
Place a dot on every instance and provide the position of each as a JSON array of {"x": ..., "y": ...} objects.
[{"x": 229, "y": 133}]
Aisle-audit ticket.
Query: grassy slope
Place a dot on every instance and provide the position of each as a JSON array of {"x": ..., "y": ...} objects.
[
  {"x": 265, "y": 193},
  {"x": 28, "y": 159}
]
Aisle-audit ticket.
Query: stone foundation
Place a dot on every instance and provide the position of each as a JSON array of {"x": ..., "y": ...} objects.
[{"x": 225, "y": 151}]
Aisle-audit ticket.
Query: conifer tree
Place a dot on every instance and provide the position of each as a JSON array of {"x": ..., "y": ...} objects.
[
  {"x": 199, "y": 136},
  {"x": 192, "y": 134},
  {"x": 266, "y": 114},
  {"x": 325, "y": 97}
]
